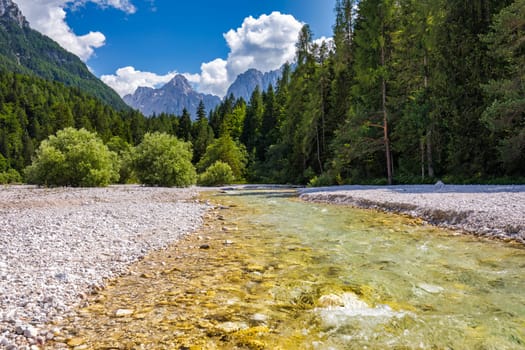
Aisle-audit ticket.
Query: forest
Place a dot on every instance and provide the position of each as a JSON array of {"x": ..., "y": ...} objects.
[{"x": 406, "y": 92}]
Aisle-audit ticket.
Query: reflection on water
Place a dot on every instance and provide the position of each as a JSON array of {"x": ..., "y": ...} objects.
[{"x": 272, "y": 272}]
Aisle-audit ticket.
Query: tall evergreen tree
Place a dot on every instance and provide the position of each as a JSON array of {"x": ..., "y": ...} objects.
[
  {"x": 185, "y": 126},
  {"x": 366, "y": 131},
  {"x": 464, "y": 65},
  {"x": 252, "y": 122},
  {"x": 202, "y": 133},
  {"x": 505, "y": 115},
  {"x": 416, "y": 131}
]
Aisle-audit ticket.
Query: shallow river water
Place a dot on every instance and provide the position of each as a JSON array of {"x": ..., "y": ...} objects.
[{"x": 271, "y": 272}]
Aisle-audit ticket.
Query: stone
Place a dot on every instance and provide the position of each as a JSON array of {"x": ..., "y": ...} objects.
[
  {"x": 123, "y": 312},
  {"x": 30, "y": 332},
  {"x": 4, "y": 341},
  {"x": 204, "y": 246},
  {"x": 259, "y": 318},
  {"x": 19, "y": 329},
  {"x": 73, "y": 342}
]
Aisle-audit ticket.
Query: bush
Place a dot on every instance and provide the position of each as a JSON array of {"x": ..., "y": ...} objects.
[
  {"x": 125, "y": 154},
  {"x": 164, "y": 160},
  {"x": 73, "y": 158},
  {"x": 217, "y": 174},
  {"x": 226, "y": 150},
  {"x": 323, "y": 180},
  {"x": 9, "y": 177}
]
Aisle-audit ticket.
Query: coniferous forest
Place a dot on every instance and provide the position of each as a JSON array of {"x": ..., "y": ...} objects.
[{"x": 408, "y": 91}]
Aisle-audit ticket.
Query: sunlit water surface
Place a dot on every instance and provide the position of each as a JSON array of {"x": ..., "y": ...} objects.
[{"x": 283, "y": 274}]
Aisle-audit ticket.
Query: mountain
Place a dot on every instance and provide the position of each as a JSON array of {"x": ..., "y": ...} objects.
[
  {"x": 26, "y": 51},
  {"x": 245, "y": 83},
  {"x": 172, "y": 98}
]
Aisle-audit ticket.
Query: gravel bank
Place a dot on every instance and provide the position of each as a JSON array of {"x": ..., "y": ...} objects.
[
  {"x": 56, "y": 244},
  {"x": 493, "y": 211}
]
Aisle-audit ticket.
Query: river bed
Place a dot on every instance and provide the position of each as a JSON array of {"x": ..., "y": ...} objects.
[{"x": 268, "y": 271}]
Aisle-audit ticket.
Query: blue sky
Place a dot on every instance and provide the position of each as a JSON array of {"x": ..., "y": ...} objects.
[{"x": 130, "y": 43}]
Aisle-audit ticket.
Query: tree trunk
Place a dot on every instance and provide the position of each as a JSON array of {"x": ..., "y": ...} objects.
[
  {"x": 428, "y": 136},
  {"x": 422, "y": 150},
  {"x": 385, "y": 123},
  {"x": 429, "y": 154},
  {"x": 318, "y": 148}
]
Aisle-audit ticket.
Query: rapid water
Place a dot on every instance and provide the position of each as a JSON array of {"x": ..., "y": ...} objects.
[{"x": 283, "y": 274}]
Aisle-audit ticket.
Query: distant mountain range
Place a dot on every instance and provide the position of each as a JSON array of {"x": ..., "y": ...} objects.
[
  {"x": 26, "y": 51},
  {"x": 245, "y": 83},
  {"x": 178, "y": 94},
  {"x": 171, "y": 98}
]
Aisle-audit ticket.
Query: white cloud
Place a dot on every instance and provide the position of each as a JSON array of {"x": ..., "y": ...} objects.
[
  {"x": 263, "y": 43},
  {"x": 214, "y": 77},
  {"x": 128, "y": 79},
  {"x": 49, "y": 18}
]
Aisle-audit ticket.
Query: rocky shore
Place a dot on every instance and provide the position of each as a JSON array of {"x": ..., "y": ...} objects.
[
  {"x": 57, "y": 244},
  {"x": 492, "y": 211}
]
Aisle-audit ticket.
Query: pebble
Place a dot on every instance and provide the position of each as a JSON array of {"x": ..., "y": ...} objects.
[
  {"x": 484, "y": 210},
  {"x": 56, "y": 245}
]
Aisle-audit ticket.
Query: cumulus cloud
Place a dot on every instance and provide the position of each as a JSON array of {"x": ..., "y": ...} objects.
[
  {"x": 49, "y": 18},
  {"x": 263, "y": 43},
  {"x": 214, "y": 77},
  {"x": 128, "y": 79}
]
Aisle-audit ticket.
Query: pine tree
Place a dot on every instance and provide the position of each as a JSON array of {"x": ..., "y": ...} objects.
[
  {"x": 464, "y": 65},
  {"x": 252, "y": 122},
  {"x": 366, "y": 131},
  {"x": 505, "y": 115},
  {"x": 185, "y": 126},
  {"x": 202, "y": 134}
]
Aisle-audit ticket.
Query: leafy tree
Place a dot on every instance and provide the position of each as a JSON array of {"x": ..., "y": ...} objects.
[
  {"x": 219, "y": 173},
  {"x": 73, "y": 158},
  {"x": 10, "y": 176},
  {"x": 164, "y": 160},
  {"x": 228, "y": 151},
  {"x": 125, "y": 153}
]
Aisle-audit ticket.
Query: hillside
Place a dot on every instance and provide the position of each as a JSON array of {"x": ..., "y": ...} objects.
[{"x": 26, "y": 51}]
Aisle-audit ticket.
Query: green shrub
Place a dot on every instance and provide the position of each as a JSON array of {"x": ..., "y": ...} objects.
[
  {"x": 10, "y": 176},
  {"x": 73, "y": 158},
  {"x": 164, "y": 160},
  {"x": 323, "y": 180},
  {"x": 217, "y": 174},
  {"x": 228, "y": 151},
  {"x": 125, "y": 154}
]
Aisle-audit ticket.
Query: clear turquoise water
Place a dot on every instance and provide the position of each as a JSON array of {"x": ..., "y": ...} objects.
[
  {"x": 283, "y": 274},
  {"x": 376, "y": 281}
]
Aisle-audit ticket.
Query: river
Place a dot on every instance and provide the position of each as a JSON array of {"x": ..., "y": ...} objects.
[{"x": 268, "y": 271}]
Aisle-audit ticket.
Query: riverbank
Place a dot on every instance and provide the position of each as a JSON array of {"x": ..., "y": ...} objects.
[
  {"x": 484, "y": 210},
  {"x": 57, "y": 244}
]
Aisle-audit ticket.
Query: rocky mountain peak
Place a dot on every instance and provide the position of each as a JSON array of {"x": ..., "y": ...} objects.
[
  {"x": 173, "y": 98},
  {"x": 10, "y": 11},
  {"x": 179, "y": 83},
  {"x": 245, "y": 83}
]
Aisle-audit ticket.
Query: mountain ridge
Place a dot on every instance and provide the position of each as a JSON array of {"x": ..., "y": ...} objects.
[
  {"x": 246, "y": 82},
  {"x": 178, "y": 94},
  {"x": 171, "y": 98},
  {"x": 27, "y": 51}
]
